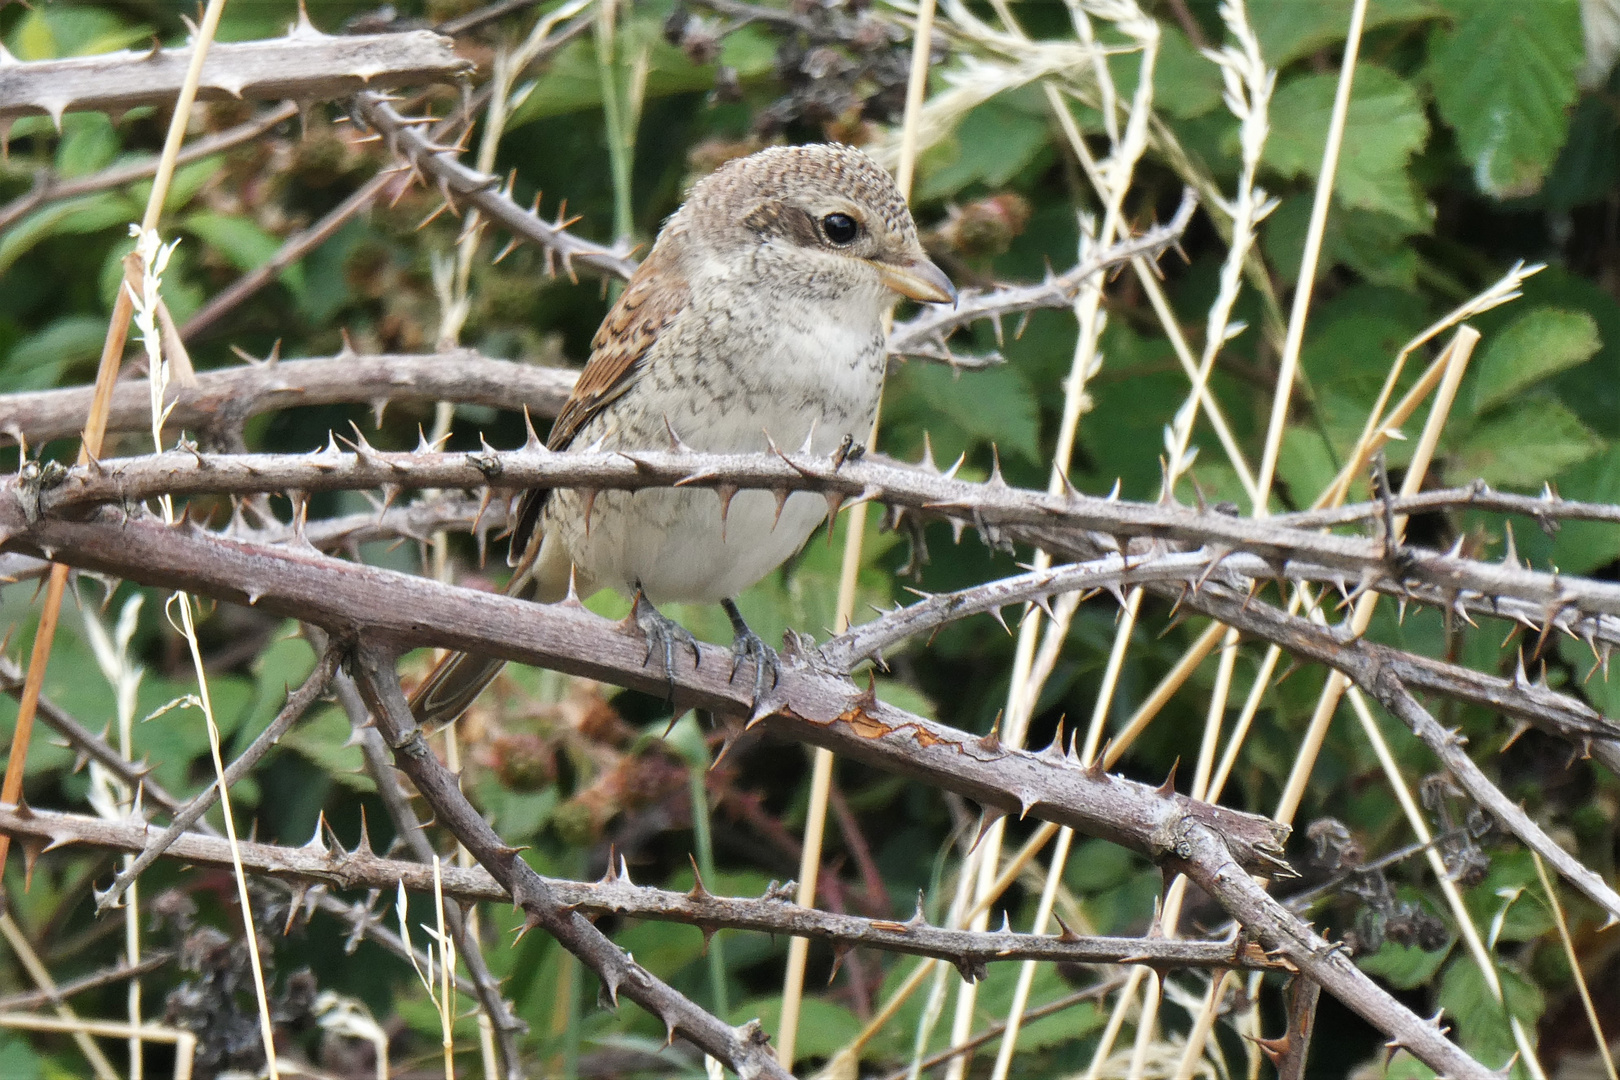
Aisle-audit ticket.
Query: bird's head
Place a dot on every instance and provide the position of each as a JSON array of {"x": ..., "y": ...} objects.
[{"x": 823, "y": 221}]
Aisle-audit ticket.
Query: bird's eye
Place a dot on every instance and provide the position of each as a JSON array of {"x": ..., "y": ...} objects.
[{"x": 840, "y": 229}]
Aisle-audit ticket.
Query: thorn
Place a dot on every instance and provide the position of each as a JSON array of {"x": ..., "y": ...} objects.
[
  {"x": 726, "y": 492},
  {"x": 698, "y": 892},
  {"x": 1169, "y": 786},
  {"x": 987, "y": 821},
  {"x": 996, "y": 479},
  {"x": 991, "y": 741},
  {"x": 1054, "y": 750}
]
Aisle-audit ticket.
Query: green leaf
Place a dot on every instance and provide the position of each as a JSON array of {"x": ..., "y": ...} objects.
[
  {"x": 57, "y": 30},
  {"x": 992, "y": 144},
  {"x": 1480, "y": 1021},
  {"x": 1582, "y": 546},
  {"x": 72, "y": 217},
  {"x": 1385, "y": 125},
  {"x": 324, "y": 739},
  {"x": 243, "y": 242},
  {"x": 1185, "y": 82},
  {"x": 824, "y": 1028},
  {"x": 1290, "y": 29},
  {"x": 572, "y": 82},
  {"x": 966, "y": 409},
  {"x": 1539, "y": 343},
  {"x": 1525, "y": 445},
  {"x": 1307, "y": 465},
  {"x": 1527, "y": 916},
  {"x": 1504, "y": 78},
  {"x": 1374, "y": 245},
  {"x": 88, "y": 143},
  {"x": 280, "y": 668},
  {"x": 17, "y": 1059},
  {"x": 1405, "y": 967},
  {"x": 37, "y": 361}
]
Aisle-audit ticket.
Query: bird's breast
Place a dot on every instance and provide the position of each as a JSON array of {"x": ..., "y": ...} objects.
[{"x": 737, "y": 381}]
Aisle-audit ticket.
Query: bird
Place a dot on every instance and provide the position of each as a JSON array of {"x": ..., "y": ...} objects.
[{"x": 758, "y": 319}]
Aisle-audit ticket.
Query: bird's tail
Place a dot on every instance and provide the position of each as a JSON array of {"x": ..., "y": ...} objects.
[{"x": 457, "y": 680}]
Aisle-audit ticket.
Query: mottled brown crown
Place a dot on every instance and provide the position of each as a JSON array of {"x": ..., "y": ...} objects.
[{"x": 795, "y": 172}]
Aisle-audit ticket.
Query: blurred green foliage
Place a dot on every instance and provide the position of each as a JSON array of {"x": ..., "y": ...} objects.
[{"x": 1480, "y": 133}]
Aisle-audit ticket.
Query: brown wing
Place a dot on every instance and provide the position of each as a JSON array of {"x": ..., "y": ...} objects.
[{"x": 652, "y": 300}]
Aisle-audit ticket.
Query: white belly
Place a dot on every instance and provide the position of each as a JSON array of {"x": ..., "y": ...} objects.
[{"x": 672, "y": 542}]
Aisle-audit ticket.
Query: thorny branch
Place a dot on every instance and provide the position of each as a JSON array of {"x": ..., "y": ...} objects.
[
  {"x": 49, "y": 188},
  {"x": 745, "y": 1050},
  {"x": 1077, "y": 525},
  {"x": 922, "y": 336},
  {"x": 323, "y": 861},
  {"x": 228, "y": 397},
  {"x": 442, "y": 166},
  {"x": 362, "y": 921},
  {"x": 809, "y": 705},
  {"x": 295, "y": 246},
  {"x": 186, "y": 816},
  {"x": 412, "y": 834},
  {"x": 304, "y": 65}
]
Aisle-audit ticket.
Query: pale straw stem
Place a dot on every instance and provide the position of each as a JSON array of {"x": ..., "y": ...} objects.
[
  {"x": 854, "y": 540},
  {"x": 1459, "y": 911},
  {"x": 70, "y": 1021},
  {"x": 1312, "y": 253},
  {"x": 1456, "y": 358},
  {"x": 1557, "y": 910}
]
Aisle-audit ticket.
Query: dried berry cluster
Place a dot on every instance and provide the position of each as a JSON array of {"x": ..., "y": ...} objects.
[
  {"x": 1381, "y": 915},
  {"x": 838, "y": 63},
  {"x": 216, "y": 1002}
]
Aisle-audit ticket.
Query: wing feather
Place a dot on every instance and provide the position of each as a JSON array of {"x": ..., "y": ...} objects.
[{"x": 655, "y": 297}]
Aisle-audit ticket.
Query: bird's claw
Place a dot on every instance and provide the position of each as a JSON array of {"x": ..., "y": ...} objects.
[
  {"x": 750, "y": 646},
  {"x": 662, "y": 634},
  {"x": 747, "y": 645}
]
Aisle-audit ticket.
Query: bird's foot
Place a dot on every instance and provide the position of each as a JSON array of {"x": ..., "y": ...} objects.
[
  {"x": 662, "y": 634},
  {"x": 747, "y": 645}
]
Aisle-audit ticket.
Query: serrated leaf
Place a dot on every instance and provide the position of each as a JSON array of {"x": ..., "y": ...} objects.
[
  {"x": 1385, "y": 125},
  {"x": 992, "y": 144},
  {"x": 1372, "y": 244},
  {"x": 1290, "y": 29},
  {"x": 1523, "y": 446},
  {"x": 1534, "y": 346},
  {"x": 1504, "y": 77},
  {"x": 1479, "y": 1021},
  {"x": 1403, "y": 966},
  {"x": 324, "y": 739}
]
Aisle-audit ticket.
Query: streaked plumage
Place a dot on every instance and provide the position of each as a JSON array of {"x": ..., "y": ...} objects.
[{"x": 758, "y": 315}]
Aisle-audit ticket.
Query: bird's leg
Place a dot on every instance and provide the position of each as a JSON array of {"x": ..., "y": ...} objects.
[
  {"x": 662, "y": 633},
  {"x": 747, "y": 645}
]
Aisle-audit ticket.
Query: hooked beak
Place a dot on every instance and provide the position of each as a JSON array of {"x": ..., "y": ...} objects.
[{"x": 920, "y": 280}]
